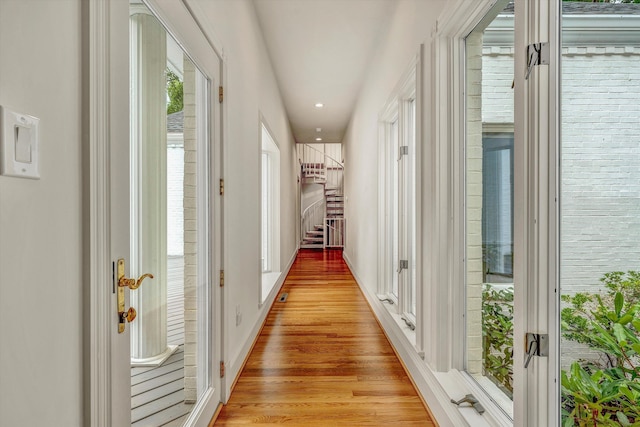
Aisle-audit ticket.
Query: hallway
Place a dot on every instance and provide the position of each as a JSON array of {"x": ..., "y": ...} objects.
[{"x": 322, "y": 359}]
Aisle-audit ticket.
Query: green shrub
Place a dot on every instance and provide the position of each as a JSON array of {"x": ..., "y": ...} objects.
[
  {"x": 497, "y": 336},
  {"x": 606, "y": 392}
]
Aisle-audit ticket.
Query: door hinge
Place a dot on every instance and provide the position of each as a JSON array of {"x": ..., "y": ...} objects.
[
  {"x": 221, "y": 278},
  {"x": 220, "y": 94},
  {"x": 222, "y": 187},
  {"x": 221, "y": 369},
  {"x": 537, "y": 54},
  {"x": 403, "y": 264},
  {"x": 536, "y": 345},
  {"x": 403, "y": 151}
]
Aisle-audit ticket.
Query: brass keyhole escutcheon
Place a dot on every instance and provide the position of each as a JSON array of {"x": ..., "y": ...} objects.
[{"x": 125, "y": 282}]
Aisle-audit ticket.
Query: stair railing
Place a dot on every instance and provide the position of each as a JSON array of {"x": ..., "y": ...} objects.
[
  {"x": 334, "y": 235},
  {"x": 313, "y": 215},
  {"x": 322, "y": 167}
]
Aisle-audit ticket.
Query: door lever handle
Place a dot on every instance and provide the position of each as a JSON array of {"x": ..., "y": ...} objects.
[
  {"x": 125, "y": 282},
  {"x": 133, "y": 284}
]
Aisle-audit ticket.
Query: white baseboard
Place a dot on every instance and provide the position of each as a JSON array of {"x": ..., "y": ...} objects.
[
  {"x": 235, "y": 367},
  {"x": 423, "y": 377}
]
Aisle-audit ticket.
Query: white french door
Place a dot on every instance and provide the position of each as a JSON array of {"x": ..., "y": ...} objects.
[{"x": 154, "y": 212}]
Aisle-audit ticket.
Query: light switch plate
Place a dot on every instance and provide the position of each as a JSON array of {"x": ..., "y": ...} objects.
[{"x": 19, "y": 144}]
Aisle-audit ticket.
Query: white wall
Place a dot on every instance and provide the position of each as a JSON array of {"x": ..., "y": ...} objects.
[
  {"x": 250, "y": 90},
  {"x": 411, "y": 25},
  {"x": 41, "y": 284}
]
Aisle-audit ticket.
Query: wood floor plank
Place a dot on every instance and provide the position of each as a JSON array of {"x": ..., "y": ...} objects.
[
  {"x": 157, "y": 392},
  {"x": 164, "y": 369},
  {"x": 322, "y": 359},
  {"x": 158, "y": 406},
  {"x": 178, "y": 355}
]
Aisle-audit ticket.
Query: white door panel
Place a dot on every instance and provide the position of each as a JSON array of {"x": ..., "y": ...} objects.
[{"x": 125, "y": 227}]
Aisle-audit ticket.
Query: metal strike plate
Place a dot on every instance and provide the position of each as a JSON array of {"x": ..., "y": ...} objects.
[{"x": 120, "y": 289}]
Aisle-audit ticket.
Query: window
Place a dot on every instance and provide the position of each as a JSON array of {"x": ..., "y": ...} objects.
[
  {"x": 398, "y": 148},
  {"x": 599, "y": 214},
  {"x": 489, "y": 194},
  {"x": 270, "y": 212},
  {"x": 497, "y": 207}
]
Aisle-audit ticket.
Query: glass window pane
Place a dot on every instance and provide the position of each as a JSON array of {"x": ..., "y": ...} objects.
[
  {"x": 600, "y": 213},
  {"x": 489, "y": 207},
  {"x": 270, "y": 217},
  {"x": 396, "y": 210}
]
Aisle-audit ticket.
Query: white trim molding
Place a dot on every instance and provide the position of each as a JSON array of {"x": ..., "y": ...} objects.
[{"x": 98, "y": 407}]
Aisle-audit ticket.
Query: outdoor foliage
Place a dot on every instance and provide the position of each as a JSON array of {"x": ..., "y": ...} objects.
[
  {"x": 605, "y": 392},
  {"x": 605, "y": 1},
  {"x": 175, "y": 93},
  {"x": 497, "y": 336}
]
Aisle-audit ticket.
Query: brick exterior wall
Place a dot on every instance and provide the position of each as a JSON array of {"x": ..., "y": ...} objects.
[
  {"x": 175, "y": 217},
  {"x": 600, "y": 191},
  {"x": 497, "y": 95},
  {"x": 474, "y": 101},
  {"x": 600, "y": 152},
  {"x": 190, "y": 233}
]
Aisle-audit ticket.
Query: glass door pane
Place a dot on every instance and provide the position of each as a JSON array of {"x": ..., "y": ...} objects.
[
  {"x": 166, "y": 339},
  {"x": 489, "y": 206},
  {"x": 600, "y": 214},
  {"x": 396, "y": 211}
]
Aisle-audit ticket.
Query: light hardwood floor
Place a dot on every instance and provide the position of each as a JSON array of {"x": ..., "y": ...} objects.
[{"x": 322, "y": 359}]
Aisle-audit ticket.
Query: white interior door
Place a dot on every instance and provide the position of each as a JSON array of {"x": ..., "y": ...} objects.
[{"x": 165, "y": 239}]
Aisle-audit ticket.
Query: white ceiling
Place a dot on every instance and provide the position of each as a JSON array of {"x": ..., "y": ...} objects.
[{"x": 320, "y": 50}]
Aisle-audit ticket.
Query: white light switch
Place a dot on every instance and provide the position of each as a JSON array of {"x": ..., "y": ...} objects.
[
  {"x": 23, "y": 144},
  {"x": 19, "y": 144}
]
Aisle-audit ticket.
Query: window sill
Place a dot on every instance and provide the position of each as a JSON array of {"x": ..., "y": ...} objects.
[
  {"x": 410, "y": 334},
  {"x": 269, "y": 280}
]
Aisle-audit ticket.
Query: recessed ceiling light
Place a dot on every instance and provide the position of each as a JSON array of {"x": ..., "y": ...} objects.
[
  {"x": 318, "y": 139},
  {"x": 318, "y": 129},
  {"x": 319, "y": 105}
]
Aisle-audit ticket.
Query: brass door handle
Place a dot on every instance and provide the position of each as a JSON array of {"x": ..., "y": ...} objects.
[
  {"x": 125, "y": 282},
  {"x": 133, "y": 284}
]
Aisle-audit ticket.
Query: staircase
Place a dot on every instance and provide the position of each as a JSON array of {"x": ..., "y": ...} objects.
[
  {"x": 335, "y": 202},
  {"x": 313, "y": 238},
  {"x": 322, "y": 222}
]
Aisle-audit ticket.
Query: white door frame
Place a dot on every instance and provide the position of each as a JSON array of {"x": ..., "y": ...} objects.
[
  {"x": 536, "y": 145},
  {"x": 107, "y": 68}
]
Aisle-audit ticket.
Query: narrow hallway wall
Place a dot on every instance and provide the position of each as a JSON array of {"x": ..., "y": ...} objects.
[
  {"x": 411, "y": 25},
  {"x": 41, "y": 284}
]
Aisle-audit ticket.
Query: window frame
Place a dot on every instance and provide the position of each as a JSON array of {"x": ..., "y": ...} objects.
[
  {"x": 398, "y": 126},
  {"x": 269, "y": 150}
]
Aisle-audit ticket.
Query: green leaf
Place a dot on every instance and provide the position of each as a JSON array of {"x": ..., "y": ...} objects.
[
  {"x": 623, "y": 419},
  {"x": 620, "y": 333},
  {"x": 568, "y": 422},
  {"x": 618, "y": 303},
  {"x": 625, "y": 319}
]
